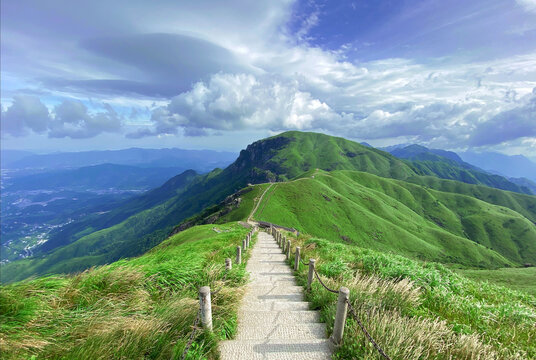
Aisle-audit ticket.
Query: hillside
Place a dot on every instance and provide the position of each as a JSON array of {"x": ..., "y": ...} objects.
[
  {"x": 395, "y": 216},
  {"x": 448, "y": 165},
  {"x": 131, "y": 309},
  {"x": 199, "y": 160},
  {"x": 97, "y": 177},
  {"x": 507, "y": 165},
  {"x": 138, "y": 225}
]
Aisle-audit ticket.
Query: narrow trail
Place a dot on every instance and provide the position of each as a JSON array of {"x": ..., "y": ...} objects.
[
  {"x": 273, "y": 319},
  {"x": 250, "y": 217}
]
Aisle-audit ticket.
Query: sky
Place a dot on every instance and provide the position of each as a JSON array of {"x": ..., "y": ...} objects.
[{"x": 202, "y": 74}]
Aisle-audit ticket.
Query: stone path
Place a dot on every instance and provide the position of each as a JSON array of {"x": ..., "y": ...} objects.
[{"x": 273, "y": 320}]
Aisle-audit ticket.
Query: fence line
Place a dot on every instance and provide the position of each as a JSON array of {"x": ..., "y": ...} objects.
[
  {"x": 343, "y": 303},
  {"x": 205, "y": 308}
]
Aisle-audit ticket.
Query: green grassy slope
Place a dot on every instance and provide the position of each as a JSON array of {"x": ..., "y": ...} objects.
[
  {"x": 417, "y": 310},
  {"x": 132, "y": 309},
  {"x": 74, "y": 231},
  {"x": 395, "y": 216},
  {"x": 448, "y": 165},
  {"x": 298, "y": 152},
  {"x": 521, "y": 203},
  {"x": 115, "y": 235},
  {"x": 523, "y": 279}
]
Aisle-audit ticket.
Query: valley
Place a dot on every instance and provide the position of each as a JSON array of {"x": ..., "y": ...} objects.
[{"x": 418, "y": 251}]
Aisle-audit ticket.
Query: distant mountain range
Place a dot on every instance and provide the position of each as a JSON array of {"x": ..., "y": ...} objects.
[
  {"x": 96, "y": 177},
  {"x": 514, "y": 166},
  {"x": 199, "y": 160},
  {"x": 448, "y": 165},
  {"x": 441, "y": 220}
]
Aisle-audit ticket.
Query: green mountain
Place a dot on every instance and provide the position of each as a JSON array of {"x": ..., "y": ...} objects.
[
  {"x": 142, "y": 223},
  {"x": 448, "y": 165},
  {"x": 97, "y": 177},
  {"x": 396, "y": 216},
  {"x": 140, "y": 308}
]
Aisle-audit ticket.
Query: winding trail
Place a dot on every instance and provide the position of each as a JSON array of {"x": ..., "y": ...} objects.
[
  {"x": 274, "y": 322},
  {"x": 250, "y": 217}
]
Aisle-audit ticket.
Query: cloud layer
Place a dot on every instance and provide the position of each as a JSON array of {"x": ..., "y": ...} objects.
[
  {"x": 422, "y": 71},
  {"x": 69, "y": 119}
]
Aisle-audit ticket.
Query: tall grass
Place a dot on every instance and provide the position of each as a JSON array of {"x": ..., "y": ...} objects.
[
  {"x": 418, "y": 310},
  {"x": 142, "y": 308}
]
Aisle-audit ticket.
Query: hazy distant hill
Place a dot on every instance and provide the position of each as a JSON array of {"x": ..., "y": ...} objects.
[
  {"x": 104, "y": 176},
  {"x": 516, "y": 166},
  {"x": 8, "y": 157},
  {"x": 448, "y": 165},
  {"x": 199, "y": 160},
  {"x": 451, "y": 220}
]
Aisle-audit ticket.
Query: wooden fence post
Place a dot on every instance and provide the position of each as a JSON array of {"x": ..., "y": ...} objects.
[
  {"x": 228, "y": 264},
  {"x": 238, "y": 255},
  {"x": 340, "y": 316},
  {"x": 205, "y": 307},
  {"x": 288, "y": 250},
  {"x": 244, "y": 245},
  {"x": 310, "y": 276},
  {"x": 297, "y": 259}
]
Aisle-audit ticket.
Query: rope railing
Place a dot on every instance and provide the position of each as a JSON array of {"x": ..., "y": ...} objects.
[
  {"x": 191, "y": 340},
  {"x": 343, "y": 303},
  {"x": 369, "y": 337},
  {"x": 204, "y": 314},
  {"x": 324, "y": 285}
]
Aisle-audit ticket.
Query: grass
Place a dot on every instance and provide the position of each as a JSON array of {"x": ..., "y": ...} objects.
[
  {"x": 522, "y": 279},
  {"x": 418, "y": 310},
  {"x": 396, "y": 216},
  {"x": 140, "y": 308}
]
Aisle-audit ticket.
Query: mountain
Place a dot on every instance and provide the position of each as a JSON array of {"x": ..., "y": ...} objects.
[
  {"x": 119, "y": 213},
  {"x": 96, "y": 177},
  {"x": 418, "y": 152},
  {"x": 524, "y": 182},
  {"x": 516, "y": 166},
  {"x": 8, "y": 157},
  {"x": 199, "y": 160},
  {"x": 135, "y": 227},
  {"x": 448, "y": 165},
  {"x": 143, "y": 222},
  {"x": 391, "y": 215}
]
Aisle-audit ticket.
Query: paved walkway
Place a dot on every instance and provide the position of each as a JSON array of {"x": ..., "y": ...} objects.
[{"x": 273, "y": 320}]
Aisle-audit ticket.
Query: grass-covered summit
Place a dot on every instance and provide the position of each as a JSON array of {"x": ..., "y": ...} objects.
[
  {"x": 292, "y": 153},
  {"x": 134, "y": 227},
  {"x": 140, "y": 223}
]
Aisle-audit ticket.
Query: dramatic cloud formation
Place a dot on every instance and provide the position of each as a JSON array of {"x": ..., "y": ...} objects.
[
  {"x": 508, "y": 125},
  {"x": 447, "y": 74},
  {"x": 238, "y": 102},
  {"x": 25, "y": 113},
  {"x": 69, "y": 119}
]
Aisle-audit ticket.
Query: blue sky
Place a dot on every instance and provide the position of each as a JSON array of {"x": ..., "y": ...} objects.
[{"x": 210, "y": 74}]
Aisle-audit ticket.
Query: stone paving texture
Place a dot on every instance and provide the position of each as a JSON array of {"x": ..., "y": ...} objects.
[{"x": 274, "y": 321}]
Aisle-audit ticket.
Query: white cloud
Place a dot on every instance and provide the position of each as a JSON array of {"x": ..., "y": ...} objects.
[
  {"x": 241, "y": 101},
  {"x": 71, "y": 118},
  {"x": 528, "y": 5}
]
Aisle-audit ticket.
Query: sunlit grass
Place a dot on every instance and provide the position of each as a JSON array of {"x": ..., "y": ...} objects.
[
  {"x": 418, "y": 310},
  {"x": 132, "y": 309}
]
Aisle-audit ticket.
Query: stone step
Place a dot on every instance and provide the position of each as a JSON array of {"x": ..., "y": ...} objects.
[
  {"x": 274, "y": 282},
  {"x": 270, "y": 278},
  {"x": 312, "y": 349},
  {"x": 273, "y": 320},
  {"x": 275, "y": 305},
  {"x": 278, "y": 317},
  {"x": 250, "y": 331},
  {"x": 274, "y": 289},
  {"x": 263, "y": 298}
]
